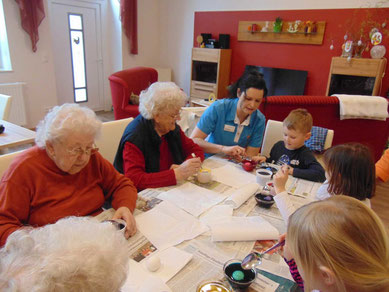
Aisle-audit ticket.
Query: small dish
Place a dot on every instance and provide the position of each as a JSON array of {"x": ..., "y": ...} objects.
[
  {"x": 248, "y": 165},
  {"x": 264, "y": 200},
  {"x": 235, "y": 266}
]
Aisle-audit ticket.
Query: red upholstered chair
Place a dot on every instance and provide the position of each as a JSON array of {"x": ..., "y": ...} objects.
[{"x": 124, "y": 83}]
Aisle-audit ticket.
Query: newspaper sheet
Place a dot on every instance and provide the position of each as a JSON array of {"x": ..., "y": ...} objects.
[{"x": 207, "y": 264}]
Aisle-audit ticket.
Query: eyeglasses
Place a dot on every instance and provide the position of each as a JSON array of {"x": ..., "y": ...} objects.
[
  {"x": 176, "y": 116},
  {"x": 80, "y": 151}
]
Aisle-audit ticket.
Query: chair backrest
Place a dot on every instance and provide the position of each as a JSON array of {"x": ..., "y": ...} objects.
[
  {"x": 5, "y": 106},
  {"x": 111, "y": 133},
  {"x": 6, "y": 159},
  {"x": 189, "y": 118},
  {"x": 274, "y": 133}
]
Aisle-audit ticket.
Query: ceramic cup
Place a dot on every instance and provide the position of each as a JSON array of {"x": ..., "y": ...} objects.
[
  {"x": 263, "y": 176},
  {"x": 204, "y": 176}
]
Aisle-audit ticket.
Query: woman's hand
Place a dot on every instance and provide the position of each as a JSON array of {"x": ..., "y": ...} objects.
[
  {"x": 187, "y": 168},
  {"x": 125, "y": 214},
  {"x": 258, "y": 158},
  {"x": 280, "y": 179},
  {"x": 234, "y": 151}
]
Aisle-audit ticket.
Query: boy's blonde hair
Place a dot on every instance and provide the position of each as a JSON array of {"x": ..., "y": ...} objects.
[
  {"x": 299, "y": 120},
  {"x": 344, "y": 235}
]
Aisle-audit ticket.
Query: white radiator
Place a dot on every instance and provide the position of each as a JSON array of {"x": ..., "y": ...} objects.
[{"x": 18, "y": 108}]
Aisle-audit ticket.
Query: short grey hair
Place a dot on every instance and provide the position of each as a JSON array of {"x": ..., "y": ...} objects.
[
  {"x": 62, "y": 121},
  {"x": 159, "y": 97},
  {"x": 74, "y": 254}
]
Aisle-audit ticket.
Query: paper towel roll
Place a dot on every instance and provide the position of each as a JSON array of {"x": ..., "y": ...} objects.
[
  {"x": 241, "y": 195},
  {"x": 243, "y": 229}
]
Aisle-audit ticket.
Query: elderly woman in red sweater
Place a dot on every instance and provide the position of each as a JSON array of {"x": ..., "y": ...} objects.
[
  {"x": 154, "y": 152},
  {"x": 63, "y": 175}
]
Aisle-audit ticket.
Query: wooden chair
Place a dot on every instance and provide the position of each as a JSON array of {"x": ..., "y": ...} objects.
[
  {"x": 6, "y": 159},
  {"x": 111, "y": 133},
  {"x": 5, "y": 106},
  {"x": 274, "y": 133}
]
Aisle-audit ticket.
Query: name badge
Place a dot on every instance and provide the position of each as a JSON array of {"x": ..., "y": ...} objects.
[{"x": 229, "y": 128}]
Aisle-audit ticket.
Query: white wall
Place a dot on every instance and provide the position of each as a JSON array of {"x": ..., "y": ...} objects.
[
  {"x": 177, "y": 20},
  {"x": 149, "y": 40},
  {"x": 36, "y": 69}
]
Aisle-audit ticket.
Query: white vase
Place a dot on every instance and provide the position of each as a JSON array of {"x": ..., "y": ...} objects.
[{"x": 377, "y": 52}]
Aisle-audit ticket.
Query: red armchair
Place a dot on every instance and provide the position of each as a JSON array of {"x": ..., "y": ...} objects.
[{"x": 128, "y": 81}]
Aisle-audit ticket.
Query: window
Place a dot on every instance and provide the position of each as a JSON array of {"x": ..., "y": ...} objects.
[
  {"x": 5, "y": 60},
  {"x": 78, "y": 57}
]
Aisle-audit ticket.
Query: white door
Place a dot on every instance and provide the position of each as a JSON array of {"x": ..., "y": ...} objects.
[{"x": 85, "y": 73}]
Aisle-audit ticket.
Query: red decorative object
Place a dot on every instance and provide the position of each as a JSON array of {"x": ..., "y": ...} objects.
[
  {"x": 129, "y": 18},
  {"x": 32, "y": 13}
]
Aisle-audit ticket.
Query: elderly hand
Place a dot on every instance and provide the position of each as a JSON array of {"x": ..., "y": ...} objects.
[
  {"x": 187, "y": 168},
  {"x": 280, "y": 178},
  {"x": 234, "y": 151},
  {"x": 125, "y": 214}
]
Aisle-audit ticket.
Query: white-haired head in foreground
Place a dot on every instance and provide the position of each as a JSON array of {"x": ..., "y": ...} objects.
[
  {"x": 161, "y": 97},
  {"x": 74, "y": 254},
  {"x": 61, "y": 121}
]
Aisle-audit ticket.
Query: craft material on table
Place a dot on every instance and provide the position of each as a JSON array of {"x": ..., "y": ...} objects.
[
  {"x": 241, "y": 195},
  {"x": 233, "y": 176},
  {"x": 243, "y": 229},
  {"x": 192, "y": 198},
  {"x": 167, "y": 225}
]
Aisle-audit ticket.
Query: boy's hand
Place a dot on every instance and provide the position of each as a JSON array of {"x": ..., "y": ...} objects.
[
  {"x": 258, "y": 158},
  {"x": 290, "y": 170}
]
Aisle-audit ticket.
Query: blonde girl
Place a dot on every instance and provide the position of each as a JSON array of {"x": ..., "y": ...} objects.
[{"x": 339, "y": 244}]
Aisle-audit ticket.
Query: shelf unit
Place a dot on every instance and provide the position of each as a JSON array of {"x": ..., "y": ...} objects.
[
  {"x": 210, "y": 72},
  {"x": 298, "y": 37},
  {"x": 362, "y": 67}
]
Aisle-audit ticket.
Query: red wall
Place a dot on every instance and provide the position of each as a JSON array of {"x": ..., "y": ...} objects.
[{"x": 316, "y": 59}]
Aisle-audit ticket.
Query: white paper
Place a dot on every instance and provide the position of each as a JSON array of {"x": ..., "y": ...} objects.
[
  {"x": 233, "y": 175},
  {"x": 192, "y": 198},
  {"x": 172, "y": 261},
  {"x": 140, "y": 280},
  {"x": 167, "y": 225},
  {"x": 241, "y": 195},
  {"x": 243, "y": 229}
]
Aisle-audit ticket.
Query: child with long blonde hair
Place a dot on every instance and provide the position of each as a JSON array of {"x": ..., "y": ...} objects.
[{"x": 338, "y": 244}]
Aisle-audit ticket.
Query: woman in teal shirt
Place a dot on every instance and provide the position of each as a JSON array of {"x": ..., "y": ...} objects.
[{"x": 234, "y": 126}]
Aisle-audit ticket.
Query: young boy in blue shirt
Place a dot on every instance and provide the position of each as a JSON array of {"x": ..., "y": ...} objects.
[{"x": 292, "y": 151}]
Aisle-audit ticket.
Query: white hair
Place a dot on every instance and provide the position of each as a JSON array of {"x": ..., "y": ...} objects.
[
  {"x": 61, "y": 121},
  {"x": 159, "y": 97},
  {"x": 74, "y": 254}
]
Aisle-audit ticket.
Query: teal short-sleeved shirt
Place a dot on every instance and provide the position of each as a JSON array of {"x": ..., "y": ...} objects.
[{"x": 218, "y": 123}]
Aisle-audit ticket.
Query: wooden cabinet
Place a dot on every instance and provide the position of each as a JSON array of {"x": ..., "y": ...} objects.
[
  {"x": 210, "y": 72},
  {"x": 357, "y": 76}
]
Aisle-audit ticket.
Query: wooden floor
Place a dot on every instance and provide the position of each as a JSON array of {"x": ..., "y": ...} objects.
[{"x": 380, "y": 202}]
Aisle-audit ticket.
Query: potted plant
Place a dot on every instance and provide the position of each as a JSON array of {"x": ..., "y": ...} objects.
[{"x": 277, "y": 25}]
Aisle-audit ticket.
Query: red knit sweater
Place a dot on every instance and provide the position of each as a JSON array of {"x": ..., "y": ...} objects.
[{"x": 34, "y": 191}]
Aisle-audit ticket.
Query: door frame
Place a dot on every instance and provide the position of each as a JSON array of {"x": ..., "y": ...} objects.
[{"x": 97, "y": 5}]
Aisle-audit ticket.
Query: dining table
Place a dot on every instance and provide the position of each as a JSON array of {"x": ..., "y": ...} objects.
[
  {"x": 201, "y": 258},
  {"x": 15, "y": 135}
]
